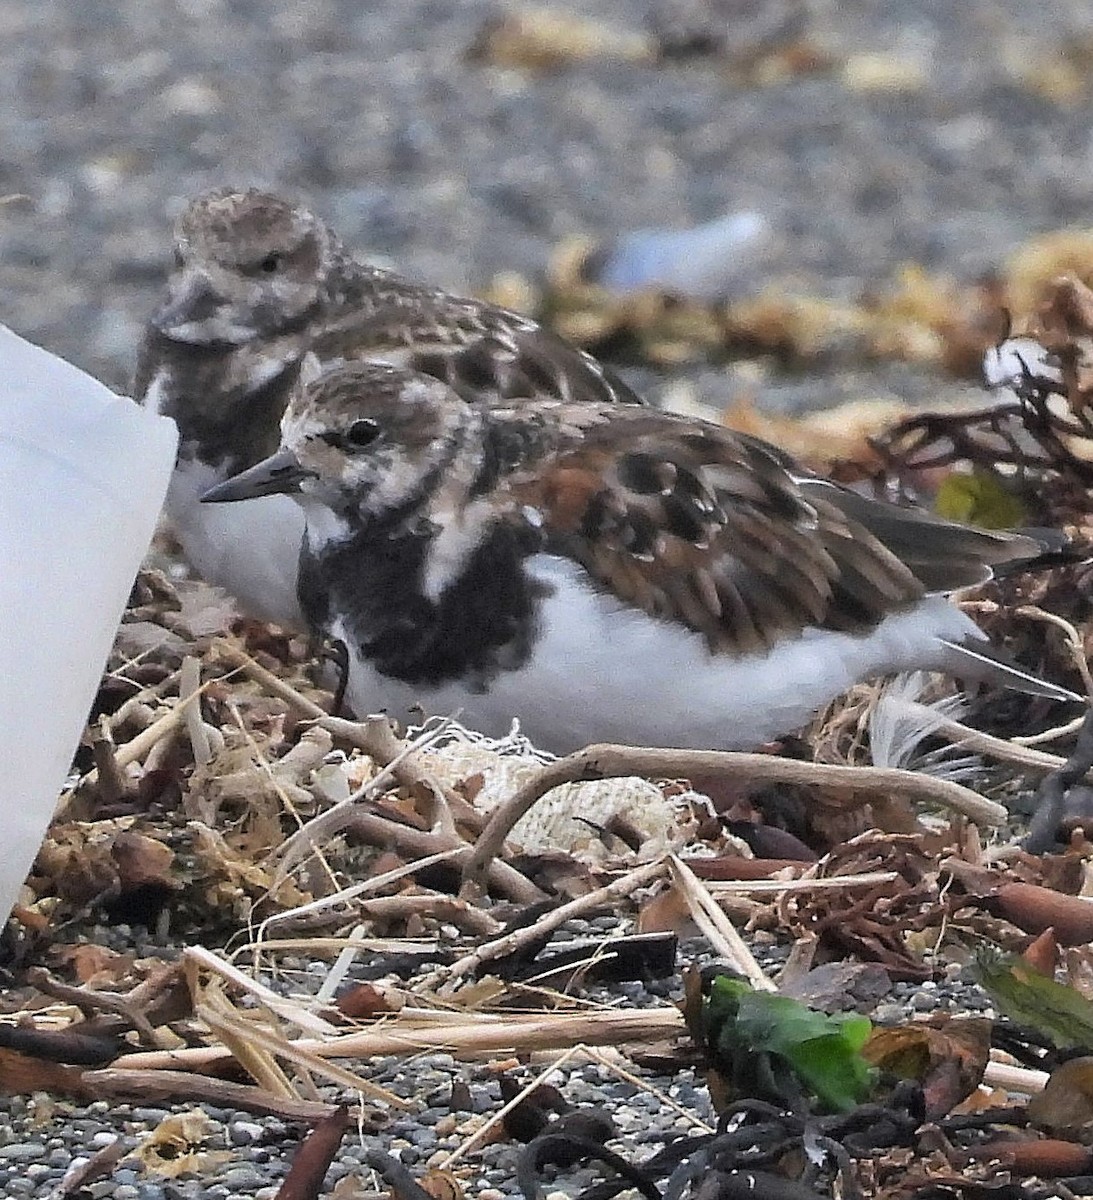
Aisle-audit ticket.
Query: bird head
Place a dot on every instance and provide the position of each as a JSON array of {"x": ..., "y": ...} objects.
[{"x": 248, "y": 264}]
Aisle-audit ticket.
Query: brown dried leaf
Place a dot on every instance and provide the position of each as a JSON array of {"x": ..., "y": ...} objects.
[
  {"x": 94, "y": 964},
  {"x": 1067, "y": 1100},
  {"x": 666, "y": 912},
  {"x": 1042, "y": 954},
  {"x": 142, "y": 862},
  {"x": 363, "y": 1000},
  {"x": 947, "y": 1058},
  {"x": 442, "y": 1185}
]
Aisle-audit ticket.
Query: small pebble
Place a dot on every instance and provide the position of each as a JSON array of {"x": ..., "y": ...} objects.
[
  {"x": 22, "y": 1152},
  {"x": 243, "y": 1133},
  {"x": 241, "y": 1177}
]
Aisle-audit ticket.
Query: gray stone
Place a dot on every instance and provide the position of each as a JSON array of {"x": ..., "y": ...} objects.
[{"x": 22, "y": 1152}]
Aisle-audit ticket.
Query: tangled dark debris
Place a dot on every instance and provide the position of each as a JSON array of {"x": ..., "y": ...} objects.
[{"x": 1043, "y": 430}]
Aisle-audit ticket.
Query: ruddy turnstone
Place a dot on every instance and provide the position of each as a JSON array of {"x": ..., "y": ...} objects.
[
  {"x": 605, "y": 572},
  {"x": 258, "y": 282}
]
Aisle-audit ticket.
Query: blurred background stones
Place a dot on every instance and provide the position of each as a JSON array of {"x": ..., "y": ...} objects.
[{"x": 863, "y": 136}]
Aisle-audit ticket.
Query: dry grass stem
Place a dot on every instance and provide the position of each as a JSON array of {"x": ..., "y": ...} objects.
[
  {"x": 495, "y": 1118},
  {"x": 717, "y": 928},
  {"x": 258, "y": 1046},
  {"x": 760, "y": 887},
  {"x": 366, "y": 885},
  {"x": 335, "y": 977},
  {"x": 455, "y": 1034},
  {"x": 269, "y": 682},
  {"x": 319, "y": 946},
  {"x": 644, "y": 1085},
  {"x": 610, "y": 761},
  {"x": 198, "y": 958},
  {"x": 624, "y": 886},
  {"x": 190, "y": 685}
]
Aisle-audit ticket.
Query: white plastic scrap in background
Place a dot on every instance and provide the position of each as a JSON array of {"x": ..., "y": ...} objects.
[
  {"x": 1017, "y": 361},
  {"x": 83, "y": 473}
]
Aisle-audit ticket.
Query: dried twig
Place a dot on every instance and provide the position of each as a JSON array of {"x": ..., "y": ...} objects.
[
  {"x": 88, "y": 1000},
  {"x": 719, "y": 930},
  {"x": 458, "y": 1034},
  {"x": 1015, "y": 1079},
  {"x": 610, "y": 761},
  {"x": 113, "y": 786},
  {"x": 500, "y": 947},
  {"x": 432, "y": 904},
  {"x": 419, "y": 843},
  {"x": 122, "y": 1083},
  {"x": 100, "y": 1165},
  {"x": 375, "y": 737},
  {"x": 136, "y": 748},
  {"x": 269, "y": 682}
]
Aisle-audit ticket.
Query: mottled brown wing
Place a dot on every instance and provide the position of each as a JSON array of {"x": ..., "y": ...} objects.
[
  {"x": 693, "y": 523},
  {"x": 486, "y": 354}
]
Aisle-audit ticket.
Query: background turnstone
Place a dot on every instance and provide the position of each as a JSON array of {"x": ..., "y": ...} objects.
[
  {"x": 605, "y": 572},
  {"x": 258, "y": 282}
]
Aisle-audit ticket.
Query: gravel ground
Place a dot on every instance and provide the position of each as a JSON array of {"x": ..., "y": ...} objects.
[
  {"x": 41, "y": 1138},
  {"x": 113, "y": 111}
]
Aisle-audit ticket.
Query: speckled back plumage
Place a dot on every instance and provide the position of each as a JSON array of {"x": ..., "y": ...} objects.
[
  {"x": 259, "y": 282},
  {"x": 604, "y": 572}
]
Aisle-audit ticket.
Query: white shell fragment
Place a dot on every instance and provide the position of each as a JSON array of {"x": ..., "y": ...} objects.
[{"x": 1017, "y": 359}]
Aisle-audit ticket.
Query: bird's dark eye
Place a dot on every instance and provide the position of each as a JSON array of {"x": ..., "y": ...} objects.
[
  {"x": 271, "y": 264},
  {"x": 362, "y": 433}
]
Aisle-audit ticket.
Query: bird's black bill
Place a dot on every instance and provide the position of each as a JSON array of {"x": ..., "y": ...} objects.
[{"x": 280, "y": 473}]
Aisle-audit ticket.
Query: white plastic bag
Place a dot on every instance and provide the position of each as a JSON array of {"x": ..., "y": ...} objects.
[{"x": 82, "y": 477}]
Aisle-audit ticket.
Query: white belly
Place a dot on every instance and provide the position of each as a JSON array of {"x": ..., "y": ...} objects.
[
  {"x": 250, "y": 549},
  {"x": 602, "y": 672}
]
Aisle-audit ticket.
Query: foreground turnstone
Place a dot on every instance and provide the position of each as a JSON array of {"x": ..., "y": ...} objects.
[
  {"x": 259, "y": 282},
  {"x": 605, "y": 572}
]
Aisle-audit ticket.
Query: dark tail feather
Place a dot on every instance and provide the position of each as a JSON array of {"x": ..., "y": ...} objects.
[{"x": 1056, "y": 550}]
